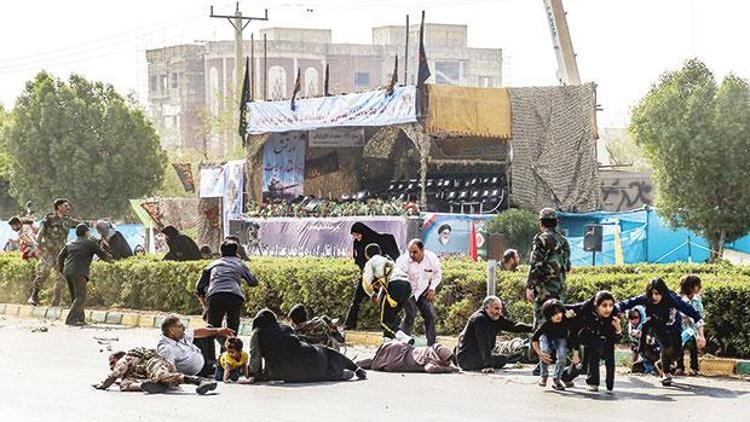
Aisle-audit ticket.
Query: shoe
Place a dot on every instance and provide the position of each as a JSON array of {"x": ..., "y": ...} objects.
[
  {"x": 404, "y": 338},
  {"x": 558, "y": 385},
  {"x": 542, "y": 382},
  {"x": 569, "y": 384},
  {"x": 387, "y": 339},
  {"x": 33, "y": 299},
  {"x": 610, "y": 392},
  {"x": 666, "y": 380},
  {"x": 205, "y": 387},
  {"x": 537, "y": 371},
  {"x": 592, "y": 388},
  {"x": 153, "y": 387},
  {"x": 659, "y": 368},
  {"x": 679, "y": 372},
  {"x": 694, "y": 372},
  {"x": 360, "y": 373}
]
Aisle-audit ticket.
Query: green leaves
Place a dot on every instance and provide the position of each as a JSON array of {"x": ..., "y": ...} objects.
[
  {"x": 81, "y": 140},
  {"x": 696, "y": 136},
  {"x": 519, "y": 228}
]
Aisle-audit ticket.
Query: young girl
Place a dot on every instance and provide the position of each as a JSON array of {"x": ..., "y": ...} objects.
[
  {"x": 641, "y": 363},
  {"x": 233, "y": 362},
  {"x": 599, "y": 329},
  {"x": 690, "y": 288},
  {"x": 663, "y": 308},
  {"x": 551, "y": 337}
]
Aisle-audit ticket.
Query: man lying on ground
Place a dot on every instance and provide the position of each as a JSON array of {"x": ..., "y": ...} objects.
[
  {"x": 396, "y": 356},
  {"x": 143, "y": 369}
]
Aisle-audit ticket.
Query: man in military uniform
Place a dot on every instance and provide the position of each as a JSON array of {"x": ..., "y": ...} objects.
[
  {"x": 549, "y": 264},
  {"x": 52, "y": 236}
]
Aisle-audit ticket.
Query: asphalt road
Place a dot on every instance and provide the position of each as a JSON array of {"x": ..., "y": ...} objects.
[{"x": 47, "y": 376}]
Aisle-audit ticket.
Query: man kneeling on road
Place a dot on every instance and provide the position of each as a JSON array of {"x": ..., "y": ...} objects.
[
  {"x": 143, "y": 369},
  {"x": 477, "y": 340},
  {"x": 180, "y": 346}
]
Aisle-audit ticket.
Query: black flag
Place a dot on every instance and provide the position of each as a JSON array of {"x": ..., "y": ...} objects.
[
  {"x": 394, "y": 78},
  {"x": 325, "y": 84},
  {"x": 296, "y": 91},
  {"x": 424, "y": 69},
  {"x": 244, "y": 99}
]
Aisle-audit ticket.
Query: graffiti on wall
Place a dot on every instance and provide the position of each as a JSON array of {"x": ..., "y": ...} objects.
[{"x": 626, "y": 191}]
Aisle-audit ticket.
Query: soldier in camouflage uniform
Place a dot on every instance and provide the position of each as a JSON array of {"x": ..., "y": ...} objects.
[
  {"x": 53, "y": 234},
  {"x": 144, "y": 369},
  {"x": 318, "y": 330},
  {"x": 549, "y": 263}
]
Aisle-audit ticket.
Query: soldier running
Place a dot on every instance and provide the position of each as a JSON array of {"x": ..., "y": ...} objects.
[{"x": 52, "y": 237}]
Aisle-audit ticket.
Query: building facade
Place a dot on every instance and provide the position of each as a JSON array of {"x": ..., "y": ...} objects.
[{"x": 190, "y": 86}]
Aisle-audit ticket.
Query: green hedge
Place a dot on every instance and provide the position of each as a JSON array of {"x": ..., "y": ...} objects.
[{"x": 326, "y": 286}]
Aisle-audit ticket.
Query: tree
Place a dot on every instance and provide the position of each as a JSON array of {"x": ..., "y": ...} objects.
[
  {"x": 81, "y": 140},
  {"x": 519, "y": 228},
  {"x": 8, "y": 205},
  {"x": 697, "y": 138}
]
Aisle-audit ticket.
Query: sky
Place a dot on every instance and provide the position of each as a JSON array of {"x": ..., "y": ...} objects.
[{"x": 621, "y": 45}]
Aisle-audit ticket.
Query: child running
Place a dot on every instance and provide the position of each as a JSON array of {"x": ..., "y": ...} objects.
[
  {"x": 663, "y": 310},
  {"x": 551, "y": 337},
  {"x": 233, "y": 362},
  {"x": 690, "y": 288},
  {"x": 599, "y": 330}
]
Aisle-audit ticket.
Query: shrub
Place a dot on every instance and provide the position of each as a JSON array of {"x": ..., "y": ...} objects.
[
  {"x": 519, "y": 228},
  {"x": 326, "y": 285}
]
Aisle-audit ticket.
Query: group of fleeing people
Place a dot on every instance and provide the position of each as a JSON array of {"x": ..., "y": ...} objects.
[{"x": 569, "y": 339}]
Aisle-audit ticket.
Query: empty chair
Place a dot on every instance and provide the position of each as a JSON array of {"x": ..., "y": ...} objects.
[
  {"x": 345, "y": 197},
  {"x": 486, "y": 193},
  {"x": 475, "y": 195},
  {"x": 464, "y": 195},
  {"x": 494, "y": 193},
  {"x": 494, "y": 181},
  {"x": 362, "y": 195},
  {"x": 392, "y": 187},
  {"x": 404, "y": 197},
  {"x": 452, "y": 195},
  {"x": 485, "y": 181}
]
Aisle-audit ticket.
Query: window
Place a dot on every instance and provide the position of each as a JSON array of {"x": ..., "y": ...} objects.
[
  {"x": 152, "y": 83},
  {"x": 361, "y": 79},
  {"x": 485, "y": 81},
  {"x": 447, "y": 73},
  {"x": 311, "y": 82},
  {"x": 277, "y": 83},
  {"x": 174, "y": 80},
  {"x": 163, "y": 82}
]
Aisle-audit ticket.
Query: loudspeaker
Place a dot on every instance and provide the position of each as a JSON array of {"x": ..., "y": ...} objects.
[{"x": 592, "y": 240}]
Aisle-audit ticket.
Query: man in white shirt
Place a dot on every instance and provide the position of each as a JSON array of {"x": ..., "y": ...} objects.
[
  {"x": 423, "y": 269},
  {"x": 177, "y": 346},
  {"x": 389, "y": 289}
]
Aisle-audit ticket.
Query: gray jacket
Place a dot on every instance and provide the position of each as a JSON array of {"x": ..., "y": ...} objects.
[{"x": 225, "y": 275}]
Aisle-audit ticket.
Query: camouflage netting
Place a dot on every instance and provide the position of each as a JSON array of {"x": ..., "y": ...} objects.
[
  {"x": 178, "y": 212},
  {"x": 554, "y": 152}
]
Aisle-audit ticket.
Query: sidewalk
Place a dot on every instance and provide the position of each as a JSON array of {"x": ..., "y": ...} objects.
[{"x": 129, "y": 318}]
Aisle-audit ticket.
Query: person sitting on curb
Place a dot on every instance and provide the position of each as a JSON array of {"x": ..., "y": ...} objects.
[
  {"x": 318, "y": 330},
  {"x": 396, "y": 356},
  {"x": 143, "y": 369},
  {"x": 190, "y": 351},
  {"x": 477, "y": 340}
]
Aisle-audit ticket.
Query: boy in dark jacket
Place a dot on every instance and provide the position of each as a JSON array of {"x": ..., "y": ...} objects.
[
  {"x": 663, "y": 308},
  {"x": 598, "y": 331},
  {"x": 552, "y": 337},
  {"x": 477, "y": 340}
]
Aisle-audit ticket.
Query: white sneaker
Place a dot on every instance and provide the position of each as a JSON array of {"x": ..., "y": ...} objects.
[
  {"x": 404, "y": 338},
  {"x": 593, "y": 388},
  {"x": 387, "y": 339}
]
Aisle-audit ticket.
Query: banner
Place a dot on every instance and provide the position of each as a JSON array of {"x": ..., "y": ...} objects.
[
  {"x": 233, "y": 172},
  {"x": 337, "y": 138},
  {"x": 212, "y": 182},
  {"x": 373, "y": 108},
  {"x": 185, "y": 173},
  {"x": 450, "y": 234},
  {"x": 325, "y": 237},
  {"x": 284, "y": 165}
]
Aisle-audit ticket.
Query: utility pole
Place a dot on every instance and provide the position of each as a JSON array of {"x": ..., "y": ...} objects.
[
  {"x": 239, "y": 23},
  {"x": 567, "y": 72}
]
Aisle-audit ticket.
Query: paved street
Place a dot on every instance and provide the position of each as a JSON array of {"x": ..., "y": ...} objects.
[{"x": 47, "y": 375}]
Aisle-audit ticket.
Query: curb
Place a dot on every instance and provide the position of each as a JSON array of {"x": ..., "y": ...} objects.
[{"x": 709, "y": 365}]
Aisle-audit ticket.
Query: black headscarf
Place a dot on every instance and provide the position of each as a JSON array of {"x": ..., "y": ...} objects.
[
  {"x": 181, "y": 246},
  {"x": 386, "y": 241}
]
